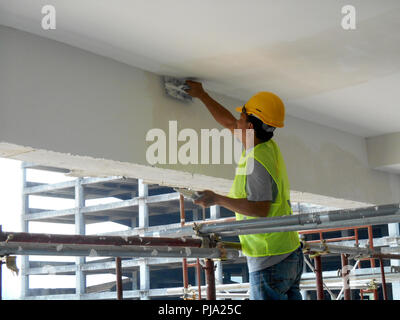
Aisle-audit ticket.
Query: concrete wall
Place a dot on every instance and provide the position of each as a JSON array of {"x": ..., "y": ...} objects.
[
  {"x": 384, "y": 152},
  {"x": 58, "y": 98}
]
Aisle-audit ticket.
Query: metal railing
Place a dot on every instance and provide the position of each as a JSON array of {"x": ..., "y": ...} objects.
[{"x": 207, "y": 244}]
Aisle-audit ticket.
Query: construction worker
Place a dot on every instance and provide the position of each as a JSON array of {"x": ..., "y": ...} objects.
[{"x": 275, "y": 260}]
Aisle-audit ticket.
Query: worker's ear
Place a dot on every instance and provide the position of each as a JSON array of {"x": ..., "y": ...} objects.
[{"x": 250, "y": 125}]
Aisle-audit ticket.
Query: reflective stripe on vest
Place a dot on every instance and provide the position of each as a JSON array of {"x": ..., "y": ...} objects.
[{"x": 266, "y": 244}]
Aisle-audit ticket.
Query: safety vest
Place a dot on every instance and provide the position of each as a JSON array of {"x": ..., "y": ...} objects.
[{"x": 275, "y": 243}]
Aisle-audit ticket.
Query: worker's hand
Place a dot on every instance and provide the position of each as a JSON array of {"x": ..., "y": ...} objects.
[
  {"x": 208, "y": 198},
  {"x": 196, "y": 89}
]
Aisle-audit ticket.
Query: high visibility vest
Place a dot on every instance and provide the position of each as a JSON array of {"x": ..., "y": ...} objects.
[{"x": 266, "y": 244}]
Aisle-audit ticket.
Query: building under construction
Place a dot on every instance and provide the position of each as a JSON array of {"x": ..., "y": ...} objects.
[
  {"x": 358, "y": 250},
  {"x": 83, "y": 92}
]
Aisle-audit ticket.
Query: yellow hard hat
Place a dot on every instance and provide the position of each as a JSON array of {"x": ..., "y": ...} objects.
[{"x": 266, "y": 106}]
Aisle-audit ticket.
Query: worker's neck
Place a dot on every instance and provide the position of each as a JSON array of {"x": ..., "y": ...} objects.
[{"x": 248, "y": 146}]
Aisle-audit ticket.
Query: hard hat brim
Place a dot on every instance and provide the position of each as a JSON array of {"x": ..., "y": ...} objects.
[{"x": 276, "y": 125}]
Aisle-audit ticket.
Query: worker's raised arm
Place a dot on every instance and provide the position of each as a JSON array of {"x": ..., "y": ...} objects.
[{"x": 220, "y": 114}]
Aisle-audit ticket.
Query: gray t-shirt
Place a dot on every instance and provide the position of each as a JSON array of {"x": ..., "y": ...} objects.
[{"x": 261, "y": 187}]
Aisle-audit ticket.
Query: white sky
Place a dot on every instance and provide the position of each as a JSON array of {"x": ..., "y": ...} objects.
[{"x": 10, "y": 219}]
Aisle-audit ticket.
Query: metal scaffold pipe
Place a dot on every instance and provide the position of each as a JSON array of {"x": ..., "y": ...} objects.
[
  {"x": 118, "y": 274},
  {"x": 210, "y": 279},
  {"x": 307, "y": 221},
  {"x": 98, "y": 240},
  {"x": 345, "y": 272},
  {"x": 24, "y": 248},
  {"x": 177, "y": 246},
  {"x": 352, "y": 251},
  {"x": 383, "y": 214},
  {"x": 184, "y": 261},
  {"x": 319, "y": 280}
]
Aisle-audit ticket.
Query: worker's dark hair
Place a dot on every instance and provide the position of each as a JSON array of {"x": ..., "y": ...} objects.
[{"x": 259, "y": 131}]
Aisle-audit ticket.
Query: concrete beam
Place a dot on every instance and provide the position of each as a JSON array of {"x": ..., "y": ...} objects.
[
  {"x": 49, "y": 187},
  {"x": 103, "y": 207},
  {"x": 103, "y": 267}
]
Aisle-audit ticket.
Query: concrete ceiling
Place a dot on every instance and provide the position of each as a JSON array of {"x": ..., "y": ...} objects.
[{"x": 348, "y": 80}]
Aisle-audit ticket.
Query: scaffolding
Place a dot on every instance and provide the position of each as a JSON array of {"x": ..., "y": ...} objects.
[
  {"x": 144, "y": 208},
  {"x": 185, "y": 244}
]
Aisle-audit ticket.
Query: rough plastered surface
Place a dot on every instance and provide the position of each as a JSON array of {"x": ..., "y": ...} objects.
[{"x": 94, "y": 167}]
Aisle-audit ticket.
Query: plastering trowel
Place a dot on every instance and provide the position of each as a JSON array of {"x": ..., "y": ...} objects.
[
  {"x": 189, "y": 193},
  {"x": 175, "y": 88}
]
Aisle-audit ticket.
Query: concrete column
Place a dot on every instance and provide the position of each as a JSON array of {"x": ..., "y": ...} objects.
[
  {"x": 24, "y": 228},
  {"x": 144, "y": 280},
  {"x": 134, "y": 273},
  {"x": 195, "y": 214},
  {"x": 79, "y": 229},
  {"x": 215, "y": 212},
  {"x": 143, "y": 223},
  {"x": 134, "y": 220},
  {"x": 134, "y": 280},
  {"x": 394, "y": 231},
  {"x": 143, "y": 208},
  {"x": 218, "y": 272}
]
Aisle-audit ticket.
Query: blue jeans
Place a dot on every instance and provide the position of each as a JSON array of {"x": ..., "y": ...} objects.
[{"x": 280, "y": 281}]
